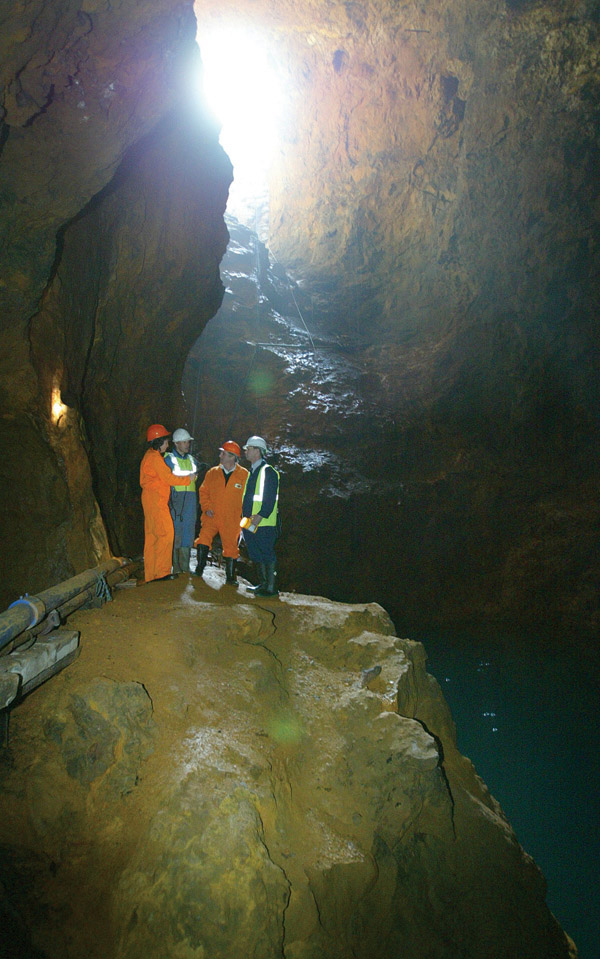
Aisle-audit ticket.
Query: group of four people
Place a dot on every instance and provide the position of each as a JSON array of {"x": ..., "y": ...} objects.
[{"x": 234, "y": 501}]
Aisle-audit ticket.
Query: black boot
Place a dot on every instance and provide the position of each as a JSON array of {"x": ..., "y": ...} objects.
[
  {"x": 230, "y": 578},
  {"x": 268, "y": 588},
  {"x": 262, "y": 581},
  {"x": 202, "y": 556}
]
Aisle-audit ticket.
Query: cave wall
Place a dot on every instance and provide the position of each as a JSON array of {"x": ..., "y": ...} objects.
[
  {"x": 113, "y": 187},
  {"x": 147, "y": 281},
  {"x": 455, "y": 485},
  {"x": 436, "y": 200},
  {"x": 438, "y": 163}
]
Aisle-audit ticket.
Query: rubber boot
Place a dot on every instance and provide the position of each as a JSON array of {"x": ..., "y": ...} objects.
[
  {"x": 177, "y": 560},
  {"x": 262, "y": 574},
  {"x": 230, "y": 577},
  {"x": 268, "y": 588},
  {"x": 202, "y": 554},
  {"x": 184, "y": 559}
]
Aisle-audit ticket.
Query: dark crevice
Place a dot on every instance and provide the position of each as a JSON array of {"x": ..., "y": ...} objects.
[
  {"x": 43, "y": 109},
  {"x": 278, "y": 865},
  {"x": 4, "y": 132},
  {"x": 268, "y": 650},
  {"x": 130, "y": 161},
  {"x": 449, "y": 88},
  {"x": 146, "y": 690},
  {"x": 440, "y": 749}
]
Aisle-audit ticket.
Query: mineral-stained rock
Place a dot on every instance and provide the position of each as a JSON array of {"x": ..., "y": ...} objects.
[
  {"x": 285, "y": 808},
  {"x": 97, "y": 736},
  {"x": 113, "y": 187},
  {"x": 206, "y": 871},
  {"x": 435, "y": 194}
]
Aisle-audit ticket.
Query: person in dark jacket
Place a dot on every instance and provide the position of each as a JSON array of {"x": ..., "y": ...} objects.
[{"x": 260, "y": 515}]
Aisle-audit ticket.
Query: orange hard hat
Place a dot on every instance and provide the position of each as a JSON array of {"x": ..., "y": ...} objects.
[
  {"x": 230, "y": 446},
  {"x": 155, "y": 431}
]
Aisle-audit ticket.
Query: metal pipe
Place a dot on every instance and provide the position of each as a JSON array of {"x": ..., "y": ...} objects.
[
  {"x": 29, "y": 612},
  {"x": 116, "y": 576},
  {"x": 60, "y": 614}
]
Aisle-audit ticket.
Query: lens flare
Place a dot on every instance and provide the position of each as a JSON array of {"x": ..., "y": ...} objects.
[
  {"x": 261, "y": 383},
  {"x": 287, "y": 730},
  {"x": 243, "y": 88}
]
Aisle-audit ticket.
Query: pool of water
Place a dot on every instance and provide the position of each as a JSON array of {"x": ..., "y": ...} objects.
[{"x": 527, "y": 714}]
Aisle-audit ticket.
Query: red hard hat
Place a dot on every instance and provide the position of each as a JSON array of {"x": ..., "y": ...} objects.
[
  {"x": 155, "y": 431},
  {"x": 230, "y": 446}
]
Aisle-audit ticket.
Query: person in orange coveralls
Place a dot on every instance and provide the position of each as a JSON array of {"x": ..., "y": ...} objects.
[
  {"x": 221, "y": 495},
  {"x": 156, "y": 480}
]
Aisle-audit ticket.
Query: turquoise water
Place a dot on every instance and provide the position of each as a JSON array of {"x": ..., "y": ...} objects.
[{"x": 527, "y": 715}]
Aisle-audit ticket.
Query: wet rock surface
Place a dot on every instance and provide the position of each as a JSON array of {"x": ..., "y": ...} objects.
[
  {"x": 435, "y": 199},
  {"x": 213, "y": 775},
  {"x": 439, "y": 478}
]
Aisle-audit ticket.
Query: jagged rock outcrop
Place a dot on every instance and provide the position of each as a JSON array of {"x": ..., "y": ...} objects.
[
  {"x": 209, "y": 779},
  {"x": 113, "y": 188},
  {"x": 127, "y": 314}
]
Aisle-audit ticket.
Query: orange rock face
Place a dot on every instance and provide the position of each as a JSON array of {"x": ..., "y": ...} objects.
[
  {"x": 435, "y": 196},
  {"x": 276, "y": 794},
  {"x": 113, "y": 188}
]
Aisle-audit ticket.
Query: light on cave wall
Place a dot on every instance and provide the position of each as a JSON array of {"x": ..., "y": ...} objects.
[
  {"x": 58, "y": 408},
  {"x": 242, "y": 86}
]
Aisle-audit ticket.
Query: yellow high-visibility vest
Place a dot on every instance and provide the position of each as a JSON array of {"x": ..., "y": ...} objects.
[
  {"x": 257, "y": 499},
  {"x": 186, "y": 462}
]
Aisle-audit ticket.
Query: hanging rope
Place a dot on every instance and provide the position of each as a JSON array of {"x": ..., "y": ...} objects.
[{"x": 312, "y": 342}]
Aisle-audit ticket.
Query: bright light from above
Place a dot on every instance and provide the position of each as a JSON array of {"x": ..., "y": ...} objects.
[{"x": 243, "y": 90}]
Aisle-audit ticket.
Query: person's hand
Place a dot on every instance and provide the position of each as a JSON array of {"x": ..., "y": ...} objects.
[
  {"x": 210, "y": 513},
  {"x": 256, "y": 520}
]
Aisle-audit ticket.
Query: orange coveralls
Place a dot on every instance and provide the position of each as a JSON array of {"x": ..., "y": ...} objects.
[
  {"x": 226, "y": 503},
  {"x": 156, "y": 480}
]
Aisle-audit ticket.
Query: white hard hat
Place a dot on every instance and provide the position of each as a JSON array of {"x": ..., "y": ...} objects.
[
  {"x": 180, "y": 436},
  {"x": 256, "y": 441}
]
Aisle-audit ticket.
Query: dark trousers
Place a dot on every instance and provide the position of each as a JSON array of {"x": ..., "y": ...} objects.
[{"x": 261, "y": 544}]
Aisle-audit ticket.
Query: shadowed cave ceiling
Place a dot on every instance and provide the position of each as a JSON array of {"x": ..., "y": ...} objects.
[{"x": 433, "y": 215}]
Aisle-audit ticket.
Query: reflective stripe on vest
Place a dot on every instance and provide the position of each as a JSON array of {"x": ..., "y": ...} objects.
[
  {"x": 258, "y": 496},
  {"x": 186, "y": 462}
]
